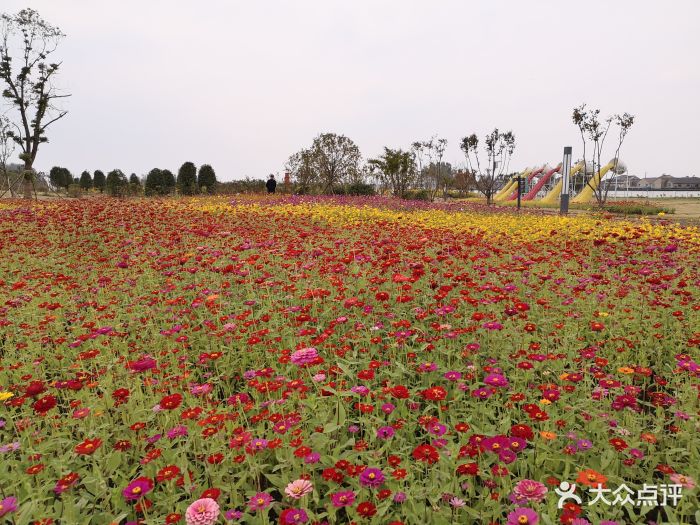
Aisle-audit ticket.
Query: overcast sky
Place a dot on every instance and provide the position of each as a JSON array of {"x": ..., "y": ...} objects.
[{"x": 243, "y": 84}]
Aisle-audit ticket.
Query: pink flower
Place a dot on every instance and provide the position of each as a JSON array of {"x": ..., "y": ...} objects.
[
  {"x": 8, "y": 505},
  {"x": 304, "y": 356},
  {"x": 371, "y": 477},
  {"x": 204, "y": 511},
  {"x": 343, "y": 498},
  {"x": 528, "y": 490},
  {"x": 137, "y": 488},
  {"x": 685, "y": 481},
  {"x": 523, "y": 516},
  {"x": 298, "y": 489},
  {"x": 496, "y": 380}
]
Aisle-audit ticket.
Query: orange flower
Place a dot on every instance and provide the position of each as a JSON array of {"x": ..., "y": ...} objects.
[
  {"x": 591, "y": 478},
  {"x": 649, "y": 438},
  {"x": 548, "y": 435}
]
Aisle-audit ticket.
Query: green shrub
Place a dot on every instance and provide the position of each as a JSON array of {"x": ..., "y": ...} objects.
[
  {"x": 75, "y": 191},
  {"x": 637, "y": 209},
  {"x": 360, "y": 188},
  {"x": 417, "y": 195}
]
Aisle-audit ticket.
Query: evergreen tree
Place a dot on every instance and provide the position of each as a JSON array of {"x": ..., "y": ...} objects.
[
  {"x": 116, "y": 183},
  {"x": 85, "y": 180},
  {"x": 134, "y": 184},
  {"x": 154, "y": 183},
  {"x": 207, "y": 178},
  {"x": 98, "y": 181},
  {"x": 168, "y": 182},
  {"x": 187, "y": 179},
  {"x": 60, "y": 177}
]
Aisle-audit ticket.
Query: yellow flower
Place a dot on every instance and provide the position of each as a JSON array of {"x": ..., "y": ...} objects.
[
  {"x": 545, "y": 402},
  {"x": 6, "y": 395}
]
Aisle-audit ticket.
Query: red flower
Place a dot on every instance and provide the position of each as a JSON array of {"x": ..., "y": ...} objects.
[
  {"x": 468, "y": 469},
  {"x": 618, "y": 444},
  {"x": 211, "y": 493},
  {"x": 426, "y": 453},
  {"x": 366, "y": 509},
  {"x": 170, "y": 402},
  {"x": 400, "y": 392},
  {"x": 434, "y": 393},
  {"x": 173, "y": 517},
  {"x": 88, "y": 446},
  {"x": 35, "y": 388},
  {"x": 665, "y": 469},
  {"x": 521, "y": 431},
  {"x": 122, "y": 445},
  {"x": 167, "y": 473},
  {"x": 597, "y": 327},
  {"x": 44, "y": 404}
]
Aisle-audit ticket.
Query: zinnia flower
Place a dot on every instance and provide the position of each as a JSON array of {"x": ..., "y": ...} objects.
[
  {"x": 522, "y": 516},
  {"x": 88, "y": 446},
  {"x": 204, "y": 511},
  {"x": 259, "y": 501},
  {"x": 528, "y": 490},
  {"x": 8, "y": 505},
  {"x": 685, "y": 481},
  {"x": 137, "y": 488},
  {"x": 299, "y": 488},
  {"x": 293, "y": 517},
  {"x": 371, "y": 477},
  {"x": 385, "y": 432},
  {"x": 343, "y": 499},
  {"x": 304, "y": 356}
]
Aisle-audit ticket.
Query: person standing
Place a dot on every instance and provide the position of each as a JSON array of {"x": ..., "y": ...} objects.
[{"x": 271, "y": 184}]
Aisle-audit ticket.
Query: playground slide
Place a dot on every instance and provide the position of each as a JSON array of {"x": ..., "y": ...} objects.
[
  {"x": 587, "y": 192},
  {"x": 514, "y": 195},
  {"x": 553, "y": 196},
  {"x": 509, "y": 185},
  {"x": 543, "y": 180}
]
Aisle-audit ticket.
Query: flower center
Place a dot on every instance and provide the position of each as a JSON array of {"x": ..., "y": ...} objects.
[
  {"x": 137, "y": 490},
  {"x": 523, "y": 519}
]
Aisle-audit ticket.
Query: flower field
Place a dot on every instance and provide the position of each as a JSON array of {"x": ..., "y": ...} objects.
[{"x": 330, "y": 360}]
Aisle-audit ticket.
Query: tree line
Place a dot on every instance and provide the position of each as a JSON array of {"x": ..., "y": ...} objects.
[
  {"x": 333, "y": 164},
  {"x": 157, "y": 182}
]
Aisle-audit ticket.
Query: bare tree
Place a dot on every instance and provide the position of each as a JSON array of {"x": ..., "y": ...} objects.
[
  {"x": 29, "y": 86},
  {"x": 418, "y": 149},
  {"x": 434, "y": 150},
  {"x": 7, "y": 148},
  {"x": 499, "y": 149},
  {"x": 595, "y": 131},
  {"x": 624, "y": 123}
]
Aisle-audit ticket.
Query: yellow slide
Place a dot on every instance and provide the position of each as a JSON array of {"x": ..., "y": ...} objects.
[
  {"x": 510, "y": 186},
  {"x": 587, "y": 192},
  {"x": 553, "y": 196}
]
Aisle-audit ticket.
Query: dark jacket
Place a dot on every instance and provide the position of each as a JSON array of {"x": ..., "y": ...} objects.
[{"x": 271, "y": 184}]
